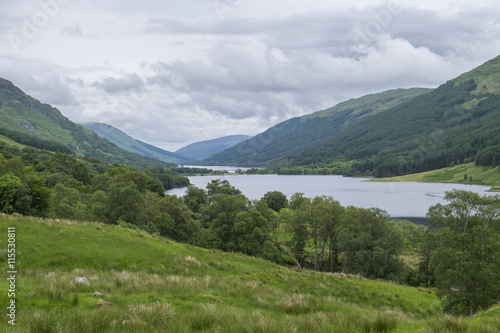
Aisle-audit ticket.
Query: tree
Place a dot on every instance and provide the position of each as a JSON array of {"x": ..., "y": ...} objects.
[
  {"x": 124, "y": 202},
  {"x": 9, "y": 185},
  {"x": 182, "y": 226},
  {"x": 466, "y": 257},
  {"x": 370, "y": 245},
  {"x": 275, "y": 200},
  {"x": 330, "y": 214},
  {"x": 195, "y": 198}
]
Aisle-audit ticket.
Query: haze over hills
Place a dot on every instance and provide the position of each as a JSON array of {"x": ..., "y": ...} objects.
[
  {"x": 26, "y": 120},
  {"x": 203, "y": 149},
  {"x": 296, "y": 134},
  {"x": 130, "y": 144}
]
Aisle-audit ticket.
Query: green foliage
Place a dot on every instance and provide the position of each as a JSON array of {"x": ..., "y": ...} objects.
[
  {"x": 64, "y": 186},
  {"x": 466, "y": 251},
  {"x": 62, "y": 163},
  {"x": 9, "y": 186},
  {"x": 371, "y": 247},
  {"x": 275, "y": 200}
]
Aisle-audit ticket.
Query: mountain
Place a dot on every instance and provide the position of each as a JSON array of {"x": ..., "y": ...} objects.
[
  {"x": 203, "y": 149},
  {"x": 456, "y": 123},
  {"x": 297, "y": 134},
  {"x": 130, "y": 144},
  {"x": 32, "y": 123}
]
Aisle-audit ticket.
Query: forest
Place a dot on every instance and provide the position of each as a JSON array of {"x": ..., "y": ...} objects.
[
  {"x": 458, "y": 253},
  {"x": 431, "y": 131}
]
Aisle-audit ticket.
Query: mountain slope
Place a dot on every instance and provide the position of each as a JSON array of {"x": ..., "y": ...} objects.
[
  {"x": 297, "y": 134},
  {"x": 453, "y": 124},
  {"x": 132, "y": 145},
  {"x": 203, "y": 149},
  {"x": 28, "y": 121}
]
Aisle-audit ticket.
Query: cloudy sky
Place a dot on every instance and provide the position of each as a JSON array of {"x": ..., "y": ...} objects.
[{"x": 172, "y": 72}]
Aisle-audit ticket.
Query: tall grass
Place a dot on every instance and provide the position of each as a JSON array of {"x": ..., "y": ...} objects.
[{"x": 149, "y": 284}]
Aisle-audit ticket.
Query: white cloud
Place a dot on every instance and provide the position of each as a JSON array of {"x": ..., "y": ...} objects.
[{"x": 171, "y": 73}]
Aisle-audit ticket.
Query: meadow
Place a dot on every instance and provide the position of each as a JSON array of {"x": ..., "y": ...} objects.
[{"x": 138, "y": 282}]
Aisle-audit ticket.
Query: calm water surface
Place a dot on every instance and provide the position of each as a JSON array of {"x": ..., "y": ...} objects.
[{"x": 398, "y": 199}]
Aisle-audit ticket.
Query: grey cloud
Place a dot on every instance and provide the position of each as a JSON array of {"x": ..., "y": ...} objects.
[{"x": 128, "y": 83}]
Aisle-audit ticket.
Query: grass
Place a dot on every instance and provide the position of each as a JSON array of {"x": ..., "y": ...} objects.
[
  {"x": 480, "y": 176},
  {"x": 151, "y": 284},
  {"x": 10, "y": 142}
]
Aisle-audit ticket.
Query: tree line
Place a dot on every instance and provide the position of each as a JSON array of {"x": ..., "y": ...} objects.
[{"x": 41, "y": 183}]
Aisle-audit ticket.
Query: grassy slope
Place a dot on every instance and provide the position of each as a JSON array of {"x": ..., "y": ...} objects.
[
  {"x": 480, "y": 175},
  {"x": 10, "y": 142},
  {"x": 156, "y": 285},
  {"x": 375, "y": 102},
  {"x": 130, "y": 144},
  {"x": 22, "y": 113}
]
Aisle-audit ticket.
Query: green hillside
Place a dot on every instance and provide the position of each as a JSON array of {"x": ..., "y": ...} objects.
[
  {"x": 28, "y": 121},
  {"x": 146, "y": 283},
  {"x": 132, "y": 145},
  {"x": 457, "y": 123},
  {"x": 203, "y": 149},
  {"x": 297, "y": 134}
]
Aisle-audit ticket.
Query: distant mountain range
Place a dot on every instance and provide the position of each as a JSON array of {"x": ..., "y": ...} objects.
[
  {"x": 392, "y": 133},
  {"x": 27, "y": 121},
  {"x": 203, "y": 149},
  {"x": 130, "y": 144}
]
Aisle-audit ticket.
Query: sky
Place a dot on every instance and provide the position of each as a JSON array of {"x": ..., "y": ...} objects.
[{"x": 173, "y": 72}]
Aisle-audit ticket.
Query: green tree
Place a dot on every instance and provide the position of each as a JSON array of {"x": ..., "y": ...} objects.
[
  {"x": 298, "y": 226},
  {"x": 329, "y": 214},
  {"x": 125, "y": 202},
  {"x": 466, "y": 257},
  {"x": 195, "y": 198},
  {"x": 9, "y": 186},
  {"x": 275, "y": 200},
  {"x": 370, "y": 245},
  {"x": 180, "y": 225},
  {"x": 70, "y": 165}
]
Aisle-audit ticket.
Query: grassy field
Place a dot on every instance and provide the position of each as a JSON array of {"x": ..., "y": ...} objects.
[
  {"x": 151, "y": 284},
  {"x": 476, "y": 175}
]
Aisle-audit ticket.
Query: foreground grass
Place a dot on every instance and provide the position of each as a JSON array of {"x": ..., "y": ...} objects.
[
  {"x": 156, "y": 285},
  {"x": 480, "y": 176}
]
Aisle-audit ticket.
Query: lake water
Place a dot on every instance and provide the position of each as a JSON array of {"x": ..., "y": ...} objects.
[{"x": 398, "y": 199}]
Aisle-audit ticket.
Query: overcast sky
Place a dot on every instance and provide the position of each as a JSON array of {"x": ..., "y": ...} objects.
[{"x": 172, "y": 72}]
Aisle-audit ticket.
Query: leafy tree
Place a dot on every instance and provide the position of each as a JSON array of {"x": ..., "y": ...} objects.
[
  {"x": 9, "y": 186},
  {"x": 218, "y": 186},
  {"x": 466, "y": 257},
  {"x": 370, "y": 245},
  {"x": 70, "y": 165},
  {"x": 64, "y": 199},
  {"x": 275, "y": 200},
  {"x": 179, "y": 223},
  {"x": 298, "y": 226},
  {"x": 195, "y": 198},
  {"x": 329, "y": 213},
  {"x": 125, "y": 202}
]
